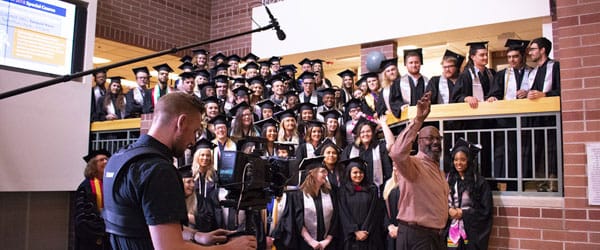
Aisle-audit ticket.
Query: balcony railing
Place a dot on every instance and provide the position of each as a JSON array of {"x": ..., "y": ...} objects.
[{"x": 113, "y": 135}]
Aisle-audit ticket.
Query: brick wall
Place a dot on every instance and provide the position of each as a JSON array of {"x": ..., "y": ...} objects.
[
  {"x": 151, "y": 24},
  {"x": 576, "y": 32},
  {"x": 388, "y": 48}
]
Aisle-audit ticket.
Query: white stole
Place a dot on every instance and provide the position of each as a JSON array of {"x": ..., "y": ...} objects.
[
  {"x": 444, "y": 91},
  {"x": 377, "y": 168},
  {"x": 110, "y": 108},
  {"x": 547, "y": 78},
  {"x": 313, "y": 98},
  {"x": 310, "y": 150},
  {"x": 406, "y": 89},
  {"x": 477, "y": 88},
  {"x": 510, "y": 85},
  {"x": 310, "y": 213},
  {"x": 138, "y": 95},
  {"x": 386, "y": 97}
]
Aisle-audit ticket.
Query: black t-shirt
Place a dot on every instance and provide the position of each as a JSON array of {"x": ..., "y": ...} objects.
[{"x": 152, "y": 186}]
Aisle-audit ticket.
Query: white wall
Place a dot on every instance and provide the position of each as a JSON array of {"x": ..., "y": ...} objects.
[
  {"x": 316, "y": 24},
  {"x": 45, "y": 132}
]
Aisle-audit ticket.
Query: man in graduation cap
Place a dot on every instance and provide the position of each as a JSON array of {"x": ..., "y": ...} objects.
[
  {"x": 275, "y": 62},
  {"x": 291, "y": 99},
  {"x": 278, "y": 89},
  {"x": 413, "y": 84},
  {"x": 266, "y": 108},
  {"x": 347, "y": 84},
  {"x": 201, "y": 59},
  {"x": 139, "y": 99},
  {"x": 162, "y": 87},
  {"x": 544, "y": 78},
  {"x": 187, "y": 82},
  {"x": 98, "y": 91},
  {"x": 328, "y": 97},
  {"x": 441, "y": 86},
  {"x": 305, "y": 65},
  {"x": 222, "y": 140},
  {"x": 308, "y": 86},
  {"x": 251, "y": 70},
  {"x": 511, "y": 83},
  {"x": 473, "y": 84}
]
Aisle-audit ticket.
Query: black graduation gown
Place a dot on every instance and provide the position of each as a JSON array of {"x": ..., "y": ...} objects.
[
  {"x": 538, "y": 82},
  {"x": 89, "y": 225},
  {"x": 464, "y": 86},
  {"x": 359, "y": 210},
  {"x": 395, "y": 99},
  {"x": 133, "y": 109},
  {"x": 434, "y": 87},
  {"x": 498, "y": 85},
  {"x": 101, "y": 110},
  {"x": 367, "y": 155},
  {"x": 390, "y": 216},
  {"x": 478, "y": 219},
  {"x": 206, "y": 219},
  {"x": 302, "y": 152},
  {"x": 287, "y": 233}
]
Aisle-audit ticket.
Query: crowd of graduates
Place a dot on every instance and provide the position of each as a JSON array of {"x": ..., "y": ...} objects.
[{"x": 342, "y": 189}]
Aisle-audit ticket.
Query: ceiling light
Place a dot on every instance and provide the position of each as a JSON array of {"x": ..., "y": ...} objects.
[{"x": 100, "y": 60}]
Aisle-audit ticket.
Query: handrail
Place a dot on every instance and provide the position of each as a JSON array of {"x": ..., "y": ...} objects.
[
  {"x": 131, "y": 123},
  {"x": 502, "y": 107}
]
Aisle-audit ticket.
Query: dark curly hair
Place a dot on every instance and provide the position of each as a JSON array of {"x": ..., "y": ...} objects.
[{"x": 470, "y": 176}]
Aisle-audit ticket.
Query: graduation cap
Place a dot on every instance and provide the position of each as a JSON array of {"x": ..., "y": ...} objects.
[
  {"x": 115, "y": 79},
  {"x": 250, "y": 56},
  {"x": 262, "y": 124},
  {"x": 308, "y": 164},
  {"x": 218, "y": 56},
  {"x": 251, "y": 65},
  {"x": 305, "y": 106},
  {"x": 288, "y": 68},
  {"x": 327, "y": 91},
  {"x": 186, "y": 66},
  {"x": 474, "y": 46},
  {"x": 99, "y": 71},
  {"x": 200, "y": 52},
  {"x": 325, "y": 144},
  {"x": 204, "y": 143},
  {"x": 256, "y": 79},
  {"x": 413, "y": 52},
  {"x": 141, "y": 69},
  {"x": 514, "y": 44},
  {"x": 307, "y": 75},
  {"x": 360, "y": 81},
  {"x": 185, "y": 171},
  {"x": 314, "y": 123},
  {"x": 362, "y": 121},
  {"x": 234, "y": 57},
  {"x": 95, "y": 153},
  {"x": 275, "y": 59},
  {"x": 285, "y": 114},
  {"x": 346, "y": 72},
  {"x": 316, "y": 61},
  {"x": 389, "y": 62},
  {"x": 233, "y": 111},
  {"x": 186, "y": 58},
  {"x": 471, "y": 147},
  {"x": 331, "y": 114},
  {"x": 353, "y": 103},
  {"x": 163, "y": 67},
  {"x": 291, "y": 92},
  {"x": 287, "y": 145},
  {"x": 211, "y": 99},
  {"x": 369, "y": 74},
  {"x": 459, "y": 58},
  {"x": 219, "y": 119},
  {"x": 203, "y": 73},
  {"x": 221, "y": 78},
  {"x": 354, "y": 162},
  {"x": 241, "y": 91},
  {"x": 221, "y": 66},
  {"x": 265, "y": 63},
  {"x": 279, "y": 77},
  {"x": 266, "y": 104},
  {"x": 239, "y": 80},
  {"x": 186, "y": 75},
  {"x": 305, "y": 61},
  {"x": 208, "y": 85}
]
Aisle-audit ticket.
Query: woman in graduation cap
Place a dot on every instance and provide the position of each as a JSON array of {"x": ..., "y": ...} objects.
[
  {"x": 288, "y": 126},
  {"x": 243, "y": 123},
  {"x": 310, "y": 218},
  {"x": 189, "y": 187},
  {"x": 257, "y": 85},
  {"x": 205, "y": 177},
  {"x": 312, "y": 139},
  {"x": 89, "y": 224},
  {"x": 112, "y": 106},
  {"x": 391, "y": 94},
  {"x": 268, "y": 130},
  {"x": 373, "y": 88},
  {"x": 333, "y": 130},
  {"x": 371, "y": 150},
  {"x": 469, "y": 201},
  {"x": 359, "y": 208},
  {"x": 332, "y": 154}
]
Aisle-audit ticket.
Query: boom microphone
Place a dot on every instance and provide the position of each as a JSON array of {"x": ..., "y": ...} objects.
[{"x": 280, "y": 33}]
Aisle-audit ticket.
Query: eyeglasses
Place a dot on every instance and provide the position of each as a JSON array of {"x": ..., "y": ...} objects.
[{"x": 432, "y": 138}]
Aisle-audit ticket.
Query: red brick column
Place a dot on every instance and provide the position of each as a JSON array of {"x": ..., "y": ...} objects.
[
  {"x": 145, "y": 123},
  {"x": 388, "y": 48}
]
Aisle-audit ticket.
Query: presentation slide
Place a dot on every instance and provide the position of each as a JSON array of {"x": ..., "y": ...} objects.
[{"x": 37, "y": 35}]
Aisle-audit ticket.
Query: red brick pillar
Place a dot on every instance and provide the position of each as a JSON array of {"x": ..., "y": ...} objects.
[
  {"x": 145, "y": 123},
  {"x": 388, "y": 48}
]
